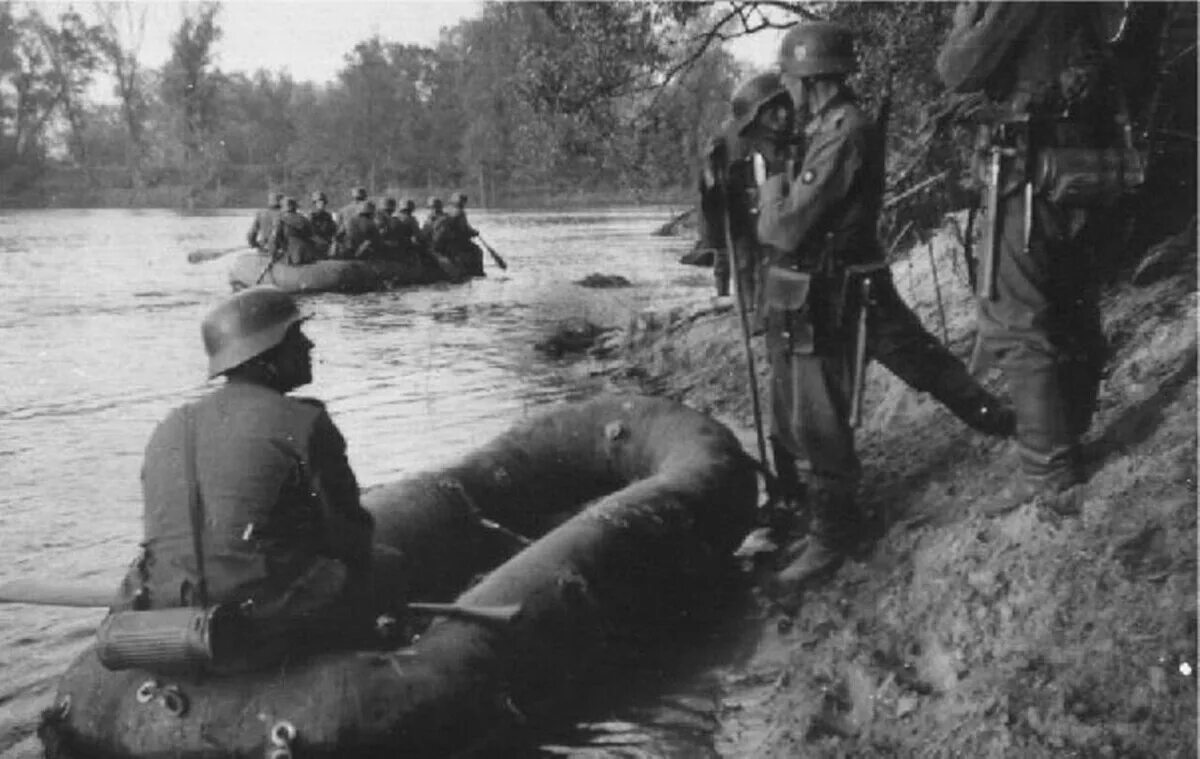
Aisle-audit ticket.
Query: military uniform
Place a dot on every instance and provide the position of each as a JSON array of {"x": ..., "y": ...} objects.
[
  {"x": 452, "y": 236},
  {"x": 282, "y": 518},
  {"x": 1039, "y": 66},
  {"x": 409, "y": 233},
  {"x": 262, "y": 229},
  {"x": 294, "y": 238},
  {"x": 360, "y": 234},
  {"x": 324, "y": 226},
  {"x": 737, "y": 201}
]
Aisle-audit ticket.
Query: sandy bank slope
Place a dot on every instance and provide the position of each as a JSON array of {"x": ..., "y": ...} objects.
[{"x": 959, "y": 635}]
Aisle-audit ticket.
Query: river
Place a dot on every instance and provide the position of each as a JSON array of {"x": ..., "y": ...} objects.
[{"x": 99, "y": 338}]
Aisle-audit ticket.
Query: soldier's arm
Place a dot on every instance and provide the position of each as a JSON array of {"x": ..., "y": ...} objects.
[
  {"x": 347, "y": 525},
  {"x": 981, "y": 36},
  {"x": 789, "y": 208}
]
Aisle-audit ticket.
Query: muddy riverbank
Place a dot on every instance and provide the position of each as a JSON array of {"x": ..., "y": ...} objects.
[{"x": 960, "y": 635}]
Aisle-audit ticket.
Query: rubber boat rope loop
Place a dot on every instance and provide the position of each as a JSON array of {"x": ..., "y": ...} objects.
[
  {"x": 281, "y": 736},
  {"x": 168, "y": 697}
]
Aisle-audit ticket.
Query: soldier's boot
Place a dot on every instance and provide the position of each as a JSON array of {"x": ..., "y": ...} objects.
[
  {"x": 1047, "y": 446},
  {"x": 830, "y": 539}
]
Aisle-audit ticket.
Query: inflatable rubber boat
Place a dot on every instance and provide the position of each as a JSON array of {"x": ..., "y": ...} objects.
[
  {"x": 340, "y": 275},
  {"x": 627, "y": 500}
]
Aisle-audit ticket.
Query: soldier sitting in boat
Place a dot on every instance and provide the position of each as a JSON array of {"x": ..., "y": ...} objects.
[
  {"x": 323, "y": 224},
  {"x": 249, "y": 501},
  {"x": 358, "y": 236},
  {"x": 262, "y": 229},
  {"x": 435, "y": 213},
  {"x": 410, "y": 231},
  {"x": 453, "y": 235},
  {"x": 350, "y": 210},
  {"x": 294, "y": 236},
  {"x": 391, "y": 233}
]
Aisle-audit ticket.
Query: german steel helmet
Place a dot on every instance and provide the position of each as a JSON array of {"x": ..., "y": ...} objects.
[
  {"x": 360, "y": 193},
  {"x": 435, "y": 202},
  {"x": 409, "y": 204},
  {"x": 290, "y": 203},
  {"x": 245, "y": 325},
  {"x": 318, "y": 195},
  {"x": 751, "y": 95},
  {"x": 389, "y": 203},
  {"x": 458, "y": 199},
  {"x": 817, "y": 48}
]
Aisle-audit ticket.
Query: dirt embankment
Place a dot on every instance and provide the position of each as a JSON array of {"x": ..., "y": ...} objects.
[{"x": 960, "y": 635}]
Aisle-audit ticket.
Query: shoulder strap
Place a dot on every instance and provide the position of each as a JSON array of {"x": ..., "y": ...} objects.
[{"x": 194, "y": 506}]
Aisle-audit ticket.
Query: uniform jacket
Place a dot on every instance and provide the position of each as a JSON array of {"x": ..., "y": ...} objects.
[
  {"x": 323, "y": 225},
  {"x": 452, "y": 232},
  {"x": 825, "y": 212},
  {"x": 294, "y": 237},
  {"x": 277, "y": 493},
  {"x": 431, "y": 221},
  {"x": 262, "y": 229},
  {"x": 359, "y": 230}
]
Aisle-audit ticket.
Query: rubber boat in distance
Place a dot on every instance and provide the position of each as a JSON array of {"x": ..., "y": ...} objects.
[
  {"x": 336, "y": 275},
  {"x": 631, "y": 500}
]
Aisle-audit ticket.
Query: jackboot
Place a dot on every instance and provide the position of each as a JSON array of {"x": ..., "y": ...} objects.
[
  {"x": 1047, "y": 446},
  {"x": 831, "y": 535}
]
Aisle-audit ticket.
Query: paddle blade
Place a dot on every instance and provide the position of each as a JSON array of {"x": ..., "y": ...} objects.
[
  {"x": 208, "y": 254},
  {"x": 54, "y": 594}
]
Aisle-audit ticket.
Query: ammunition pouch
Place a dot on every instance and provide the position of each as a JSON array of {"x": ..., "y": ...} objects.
[
  {"x": 1078, "y": 177},
  {"x": 785, "y": 296}
]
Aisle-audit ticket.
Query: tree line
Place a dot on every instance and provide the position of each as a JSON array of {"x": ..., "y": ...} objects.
[
  {"x": 527, "y": 103},
  {"x": 534, "y": 99}
]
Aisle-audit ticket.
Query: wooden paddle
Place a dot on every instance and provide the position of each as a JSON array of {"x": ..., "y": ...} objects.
[
  {"x": 63, "y": 594},
  {"x": 270, "y": 264},
  {"x": 208, "y": 254},
  {"x": 495, "y": 256}
]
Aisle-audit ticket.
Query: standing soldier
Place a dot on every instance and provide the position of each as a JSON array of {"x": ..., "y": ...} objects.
[
  {"x": 1040, "y": 66},
  {"x": 294, "y": 236},
  {"x": 827, "y": 293},
  {"x": 262, "y": 229},
  {"x": 728, "y": 192},
  {"x": 323, "y": 224}
]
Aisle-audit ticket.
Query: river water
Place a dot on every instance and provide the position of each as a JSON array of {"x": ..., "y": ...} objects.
[{"x": 99, "y": 338}]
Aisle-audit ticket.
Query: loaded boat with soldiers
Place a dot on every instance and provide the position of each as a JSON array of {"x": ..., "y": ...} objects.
[{"x": 579, "y": 526}]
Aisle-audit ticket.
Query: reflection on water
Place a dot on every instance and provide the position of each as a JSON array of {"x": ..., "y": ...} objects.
[{"x": 99, "y": 323}]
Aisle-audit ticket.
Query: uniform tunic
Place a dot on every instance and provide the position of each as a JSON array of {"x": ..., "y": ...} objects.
[
  {"x": 294, "y": 237},
  {"x": 282, "y": 518},
  {"x": 262, "y": 229},
  {"x": 1044, "y": 326},
  {"x": 820, "y": 220}
]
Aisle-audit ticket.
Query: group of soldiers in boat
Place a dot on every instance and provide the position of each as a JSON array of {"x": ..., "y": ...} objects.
[{"x": 364, "y": 230}]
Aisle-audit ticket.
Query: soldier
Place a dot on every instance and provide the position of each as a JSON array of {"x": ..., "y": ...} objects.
[
  {"x": 360, "y": 234},
  {"x": 284, "y": 534},
  {"x": 730, "y": 160},
  {"x": 435, "y": 213},
  {"x": 1040, "y": 67},
  {"x": 410, "y": 230},
  {"x": 262, "y": 229},
  {"x": 323, "y": 224},
  {"x": 453, "y": 235},
  {"x": 357, "y": 196},
  {"x": 390, "y": 232},
  {"x": 294, "y": 236},
  {"x": 826, "y": 276}
]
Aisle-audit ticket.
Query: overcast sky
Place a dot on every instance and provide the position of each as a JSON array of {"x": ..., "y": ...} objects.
[{"x": 310, "y": 38}]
